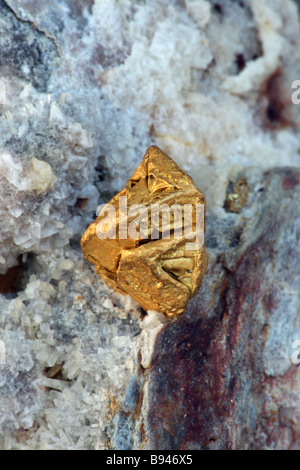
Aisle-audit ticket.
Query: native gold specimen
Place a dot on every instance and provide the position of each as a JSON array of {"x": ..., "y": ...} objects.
[{"x": 160, "y": 274}]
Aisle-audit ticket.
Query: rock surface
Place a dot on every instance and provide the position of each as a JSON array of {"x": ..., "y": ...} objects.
[
  {"x": 85, "y": 88},
  {"x": 227, "y": 363}
]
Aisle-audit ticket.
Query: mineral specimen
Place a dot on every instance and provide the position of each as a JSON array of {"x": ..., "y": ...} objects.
[
  {"x": 237, "y": 199},
  {"x": 83, "y": 86},
  {"x": 155, "y": 265}
]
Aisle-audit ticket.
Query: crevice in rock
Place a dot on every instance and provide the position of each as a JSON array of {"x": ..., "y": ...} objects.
[{"x": 16, "y": 277}]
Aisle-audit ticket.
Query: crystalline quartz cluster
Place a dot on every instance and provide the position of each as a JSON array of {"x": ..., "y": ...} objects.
[{"x": 85, "y": 88}]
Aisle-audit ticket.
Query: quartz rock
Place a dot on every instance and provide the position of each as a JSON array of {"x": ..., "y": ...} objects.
[
  {"x": 229, "y": 364},
  {"x": 85, "y": 89}
]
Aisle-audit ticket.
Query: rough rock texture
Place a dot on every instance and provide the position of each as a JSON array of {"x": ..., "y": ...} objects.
[
  {"x": 227, "y": 362},
  {"x": 85, "y": 88}
]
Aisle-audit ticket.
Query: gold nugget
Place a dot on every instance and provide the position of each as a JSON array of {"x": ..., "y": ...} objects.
[{"x": 158, "y": 256}]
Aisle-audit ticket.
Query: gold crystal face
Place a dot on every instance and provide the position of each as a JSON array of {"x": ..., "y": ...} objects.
[{"x": 155, "y": 263}]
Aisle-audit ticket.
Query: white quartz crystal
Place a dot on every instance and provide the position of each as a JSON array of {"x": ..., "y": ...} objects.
[{"x": 110, "y": 78}]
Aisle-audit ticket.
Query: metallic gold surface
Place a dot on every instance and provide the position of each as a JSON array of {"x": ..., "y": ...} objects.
[
  {"x": 236, "y": 200},
  {"x": 160, "y": 274}
]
